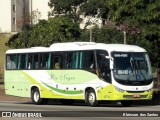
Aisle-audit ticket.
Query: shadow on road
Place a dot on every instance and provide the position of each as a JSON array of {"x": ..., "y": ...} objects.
[{"x": 106, "y": 104}]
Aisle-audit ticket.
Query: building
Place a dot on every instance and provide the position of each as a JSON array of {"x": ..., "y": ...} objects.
[
  {"x": 10, "y": 12},
  {"x": 15, "y": 13}
]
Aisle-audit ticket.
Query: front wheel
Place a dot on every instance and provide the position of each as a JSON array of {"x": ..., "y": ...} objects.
[
  {"x": 36, "y": 98},
  {"x": 91, "y": 98}
]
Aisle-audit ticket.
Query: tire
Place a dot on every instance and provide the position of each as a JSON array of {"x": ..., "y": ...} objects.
[
  {"x": 91, "y": 98},
  {"x": 126, "y": 103},
  {"x": 36, "y": 98},
  {"x": 67, "y": 102}
]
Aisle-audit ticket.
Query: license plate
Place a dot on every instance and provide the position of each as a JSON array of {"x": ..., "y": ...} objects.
[{"x": 136, "y": 95}]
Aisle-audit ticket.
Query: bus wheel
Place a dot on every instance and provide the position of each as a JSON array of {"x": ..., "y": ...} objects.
[
  {"x": 35, "y": 96},
  {"x": 126, "y": 103},
  {"x": 91, "y": 98}
]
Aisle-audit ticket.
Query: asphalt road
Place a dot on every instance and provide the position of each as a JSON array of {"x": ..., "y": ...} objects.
[{"x": 78, "y": 111}]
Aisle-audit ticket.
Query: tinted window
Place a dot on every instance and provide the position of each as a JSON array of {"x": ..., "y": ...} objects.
[
  {"x": 87, "y": 60},
  {"x": 11, "y": 61},
  {"x": 71, "y": 60},
  {"x": 45, "y": 60}
]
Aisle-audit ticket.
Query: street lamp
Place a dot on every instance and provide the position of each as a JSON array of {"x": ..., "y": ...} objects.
[
  {"x": 123, "y": 29},
  {"x": 90, "y": 34}
]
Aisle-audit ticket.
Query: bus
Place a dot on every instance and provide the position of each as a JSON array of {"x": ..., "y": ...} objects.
[{"x": 87, "y": 71}]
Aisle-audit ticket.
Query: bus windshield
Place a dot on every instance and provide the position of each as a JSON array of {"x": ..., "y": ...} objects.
[{"x": 132, "y": 68}]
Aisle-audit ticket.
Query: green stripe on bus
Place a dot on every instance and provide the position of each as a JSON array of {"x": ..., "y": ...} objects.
[{"x": 72, "y": 92}]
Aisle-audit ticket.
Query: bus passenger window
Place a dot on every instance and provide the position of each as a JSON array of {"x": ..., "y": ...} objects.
[
  {"x": 44, "y": 60},
  {"x": 71, "y": 60},
  {"x": 57, "y": 60},
  {"x": 35, "y": 61},
  {"x": 11, "y": 61},
  {"x": 29, "y": 61},
  {"x": 21, "y": 61},
  {"x": 87, "y": 60},
  {"x": 8, "y": 62}
]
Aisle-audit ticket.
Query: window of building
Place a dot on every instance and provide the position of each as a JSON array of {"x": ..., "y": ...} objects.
[
  {"x": 14, "y": 8},
  {"x": 14, "y": 21}
]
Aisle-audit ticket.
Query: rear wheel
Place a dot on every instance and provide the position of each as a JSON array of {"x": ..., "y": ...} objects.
[
  {"x": 36, "y": 98},
  {"x": 91, "y": 98},
  {"x": 126, "y": 103}
]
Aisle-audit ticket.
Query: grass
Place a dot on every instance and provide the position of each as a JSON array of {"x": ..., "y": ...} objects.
[
  {"x": 3, "y": 39},
  {"x": 1, "y": 87}
]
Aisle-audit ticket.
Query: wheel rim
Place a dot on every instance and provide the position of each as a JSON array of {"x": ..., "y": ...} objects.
[
  {"x": 91, "y": 98},
  {"x": 36, "y": 96}
]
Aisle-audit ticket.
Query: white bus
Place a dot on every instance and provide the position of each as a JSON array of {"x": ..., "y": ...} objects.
[{"x": 88, "y": 71}]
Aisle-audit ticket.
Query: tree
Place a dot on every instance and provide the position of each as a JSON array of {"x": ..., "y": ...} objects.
[
  {"x": 63, "y": 29},
  {"x": 104, "y": 34},
  {"x": 141, "y": 14},
  {"x": 95, "y": 8},
  {"x": 21, "y": 39},
  {"x": 45, "y": 33},
  {"x": 66, "y": 7}
]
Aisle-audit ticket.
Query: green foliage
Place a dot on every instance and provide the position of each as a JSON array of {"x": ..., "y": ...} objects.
[
  {"x": 65, "y": 6},
  {"x": 139, "y": 18},
  {"x": 95, "y": 8},
  {"x": 63, "y": 29},
  {"x": 79, "y": 7},
  {"x": 107, "y": 35},
  {"x": 3, "y": 39},
  {"x": 58, "y": 29},
  {"x": 141, "y": 14}
]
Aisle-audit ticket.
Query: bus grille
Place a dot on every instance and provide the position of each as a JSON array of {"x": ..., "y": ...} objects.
[
  {"x": 135, "y": 91},
  {"x": 131, "y": 96}
]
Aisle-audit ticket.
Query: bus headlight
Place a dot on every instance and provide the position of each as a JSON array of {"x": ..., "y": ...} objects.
[{"x": 119, "y": 89}]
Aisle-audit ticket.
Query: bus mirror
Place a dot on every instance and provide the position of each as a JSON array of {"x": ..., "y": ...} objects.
[
  {"x": 111, "y": 58},
  {"x": 111, "y": 61},
  {"x": 111, "y": 64}
]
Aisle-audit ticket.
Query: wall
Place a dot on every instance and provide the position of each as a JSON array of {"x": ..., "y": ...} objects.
[{"x": 5, "y": 16}]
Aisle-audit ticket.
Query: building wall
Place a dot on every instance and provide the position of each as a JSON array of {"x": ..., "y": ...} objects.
[
  {"x": 5, "y": 16},
  {"x": 11, "y": 11},
  {"x": 28, "y": 11},
  {"x": 13, "y": 15},
  {"x": 19, "y": 15}
]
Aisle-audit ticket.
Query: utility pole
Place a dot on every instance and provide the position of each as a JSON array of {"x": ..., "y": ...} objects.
[
  {"x": 124, "y": 33},
  {"x": 90, "y": 34}
]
